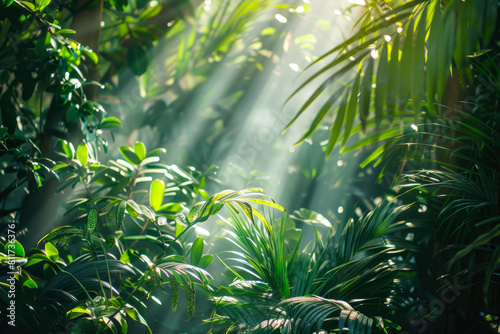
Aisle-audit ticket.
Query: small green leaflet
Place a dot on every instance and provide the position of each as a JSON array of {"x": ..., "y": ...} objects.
[
  {"x": 52, "y": 252},
  {"x": 156, "y": 193},
  {"x": 196, "y": 251},
  {"x": 174, "y": 285},
  {"x": 82, "y": 153},
  {"x": 92, "y": 220},
  {"x": 120, "y": 214}
]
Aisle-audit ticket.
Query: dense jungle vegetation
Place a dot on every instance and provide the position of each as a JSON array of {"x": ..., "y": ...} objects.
[{"x": 152, "y": 181}]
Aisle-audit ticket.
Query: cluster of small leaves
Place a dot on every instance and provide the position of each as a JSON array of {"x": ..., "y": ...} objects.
[
  {"x": 49, "y": 285},
  {"x": 152, "y": 239},
  {"x": 42, "y": 92}
]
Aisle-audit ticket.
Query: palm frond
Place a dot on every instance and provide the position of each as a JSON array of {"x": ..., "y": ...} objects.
[
  {"x": 397, "y": 64},
  {"x": 467, "y": 221},
  {"x": 313, "y": 315},
  {"x": 364, "y": 262}
]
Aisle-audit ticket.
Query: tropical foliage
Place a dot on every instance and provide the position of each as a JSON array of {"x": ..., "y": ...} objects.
[
  {"x": 421, "y": 73},
  {"x": 102, "y": 234}
]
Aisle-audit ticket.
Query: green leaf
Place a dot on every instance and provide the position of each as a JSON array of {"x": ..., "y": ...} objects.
[
  {"x": 351, "y": 110},
  {"x": 381, "y": 149},
  {"x": 365, "y": 93},
  {"x": 433, "y": 54},
  {"x": 119, "y": 4},
  {"x": 150, "y": 12},
  {"x": 490, "y": 20},
  {"x": 320, "y": 115},
  {"x": 477, "y": 242},
  {"x": 382, "y": 82},
  {"x": 129, "y": 155},
  {"x": 205, "y": 261},
  {"x": 406, "y": 69},
  {"x": 156, "y": 152},
  {"x": 110, "y": 241},
  {"x": 133, "y": 208},
  {"x": 266, "y": 203},
  {"x": 190, "y": 296},
  {"x": 68, "y": 149},
  {"x": 180, "y": 224},
  {"x": 109, "y": 122},
  {"x": 92, "y": 221},
  {"x": 196, "y": 251},
  {"x": 120, "y": 214},
  {"x": 417, "y": 83},
  {"x": 52, "y": 252},
  {"x": 136, "y": 316},
  {"x": 82, "y": 153},
  {"x": 393, "y": 80},
  {"x": 147, "y": 212},
  {"x": 174, "y": 285},
  {"x": 63, "y": 234},
  {"x": 14, "y": 248},
  {"x": 446, "y": 41},
  {"x": 310, "y": 217},
  {"x": 374, "y": 138},
  {"x": 140, "y": 150},
  {"x": 64, "y": 31},
  {"x": 69, "y": 54},
  {"x": 170, "y": 207},
  {"x": 41, "y": 4},
  {"x": 30, "y": 284},
  {"x": 337, "y": 125},
  {"x": 6, "y": 3},
  {"x": 156, "y": 193},
  {"x": 28, "y": 4},
  {"x": 329, "y": 81},
  {"x": 137, "y": 59},
  {"x": 76, "y": 312},
  {"x": 91, "y": 54}
]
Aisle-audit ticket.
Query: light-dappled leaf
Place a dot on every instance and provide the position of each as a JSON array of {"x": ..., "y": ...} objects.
[
  {"x": 92, "y": 220},
  {"x": 14, "y": 248}
]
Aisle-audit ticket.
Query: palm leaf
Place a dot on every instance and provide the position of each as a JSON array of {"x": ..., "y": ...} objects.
[{"x": 425, "y": 25}]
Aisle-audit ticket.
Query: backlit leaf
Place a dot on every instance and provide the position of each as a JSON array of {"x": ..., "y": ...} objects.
[
  {"x": 82, "y": 153},
  {"x": 156, "y": 193},
  {"x": 140, "y": 150},
  {"x": 14, "y": 248},
  {"x": 52, "y": 252}
]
